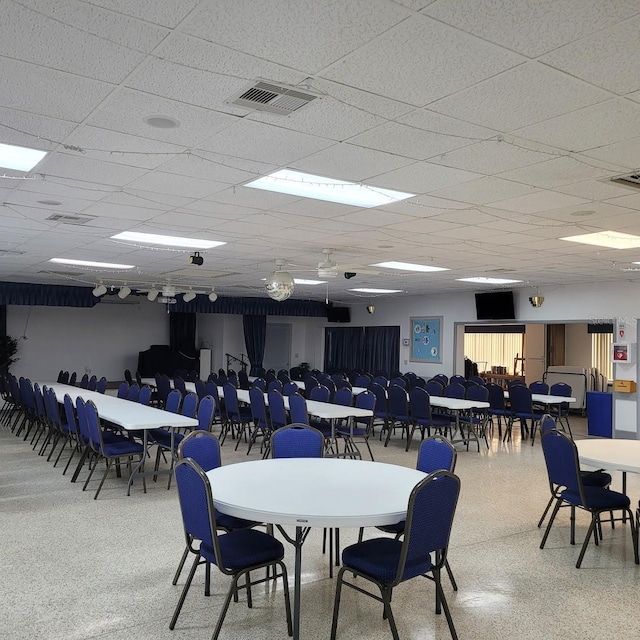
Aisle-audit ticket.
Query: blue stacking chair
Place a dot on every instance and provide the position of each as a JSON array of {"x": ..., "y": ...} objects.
[
  {"x": 297, "y": 441},
  {"x": 123, "y": 390},
  {"x": 238, "y": 418},
  {"x": 84, "y": 381},
  {"x": 298, "y": 413},
  {"x": 476, "y": 419},
  {"x": 204, "y": 448},
  {"x": 563, "y": 470},
  {"x": 434, "y": 387},
  {"x": 358, "y": 427},
  {"x": 179, "y": 384},
  {"x": 144, "y": 397},
  {"x": 497, "y": 406},
  {"x": 93, "y": 383},
  {"x": 133, "y": 392},
  {"x": 101, "y": 387},
  {"x": 522, "y": 410},
  {"x": 243, "y": 379},
  {"x": 387, "y": 562},
  {"x": 561, "y": 411},
  {"x": 457, "y": 380},
  {"x": 260, "y": 383},
  {"x": 235, "y": 553},
  {"x": 421, "y": 416},
  {"x": 189, "y": 405},
  {"x": 275, "y": 385},
  {"x": 362, "y": 381},
  {"x": 289, "y": 388},
  {"x": 398, "y": 411},
  {"x": 261, "y": 422},
  {"x": 277, "y": 411}
]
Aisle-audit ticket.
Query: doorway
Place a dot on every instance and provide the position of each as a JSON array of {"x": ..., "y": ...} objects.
[{"x": 277, "y": 350}]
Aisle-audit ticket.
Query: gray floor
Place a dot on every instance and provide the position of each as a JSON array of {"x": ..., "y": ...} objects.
[{"x": 75, "y": 568}]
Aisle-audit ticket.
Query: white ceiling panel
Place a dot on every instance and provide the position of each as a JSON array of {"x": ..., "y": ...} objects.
[
  {"x": 623, "y": 153},
  {"x": 485, "y": 190},
  {"x": 606, "y": 59},
  {"x": 423, "y": 177},
  {"x": 519, "y": 97},
  {"x": 396, "y": 65},
  {"x": 168, "y": 14},
  {"x": 79, "y": 167},
  {"x": 538, "y": 201},
  {"x": 173, "y": 184},
  {"x": 531, "y": 28}
]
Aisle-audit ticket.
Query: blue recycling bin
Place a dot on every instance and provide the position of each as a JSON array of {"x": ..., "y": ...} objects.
[{"x": 600, "y": 414}]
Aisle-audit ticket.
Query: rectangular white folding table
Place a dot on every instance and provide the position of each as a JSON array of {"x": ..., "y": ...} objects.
[
  {"x": 131, "y": 416},
  {"x": 313, "y": 492}
]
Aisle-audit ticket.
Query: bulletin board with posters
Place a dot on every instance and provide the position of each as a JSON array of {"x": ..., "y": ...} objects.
[{"x": 426, "y": 339}]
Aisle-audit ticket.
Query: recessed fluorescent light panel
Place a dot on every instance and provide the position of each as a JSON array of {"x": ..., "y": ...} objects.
[
  {"x": 377, "y": 290},
  {"x": 481, "y": 280},
  {"x": 610, "y": 239},
  {"x": 166, "y": 241},
  {"x": 303, "y": 281},
  {"x": 296, "y": 183},
  {"x": 408, "y": 266},
  {"x": 19, "y": 158},
  {"x": 89, "y": 263}
]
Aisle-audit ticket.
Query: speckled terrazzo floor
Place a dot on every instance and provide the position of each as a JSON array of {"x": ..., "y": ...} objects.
[{"x": 74, "y": 568}]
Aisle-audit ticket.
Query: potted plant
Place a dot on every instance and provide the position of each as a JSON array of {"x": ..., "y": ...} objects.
[{"x": 8, "y": 350}]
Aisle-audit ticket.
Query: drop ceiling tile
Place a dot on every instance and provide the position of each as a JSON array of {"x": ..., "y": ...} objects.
[
  {"x": 632, "y": 200},
  {"x": 349, "y": 162},
  {"x": 485, "y": 190},
  {"x": 558, "y": 172},
  {"x": 170, "y": 183},
  {"x": 374, "y": 217},
  {"x": 32, "y": 37},
  {"x": 37, "y": 90},
  {"x": 31, "y": 130},
  {"x": 423, "y": 177},
  {"x": 292, "y": 35},
  {"x": 471, "y": 232},
  {"x": 311, "y": 208},
  {"x": 390, "y": 64},
  {"x": 490, "y": 157},
  {"x": 30, "y": 199},
  {"x": 136, "y": 199},
  {"x": 606, "y": 58},
  {"x": 407, "y": 141},
  {"x": 471, "y": 216},
  {"x": 531, "y": 28},
  {"x": 623, "y": 153},
  {"x": 83, "y": 169},
  {"x": 520, "y": 97},
  {"x": 427, "y": 226},
  {"x": 219, "y": 210},
  {"x": 253, "y": 198},
  {"x": 586, "y": 128},
  {"x": 594, "y": 189},
  {"x": 208, "y": 166},
  {"x": 264, "y": 142},
  {"x": 168, "y": 14},
  {"x": 538, "y": 201}
]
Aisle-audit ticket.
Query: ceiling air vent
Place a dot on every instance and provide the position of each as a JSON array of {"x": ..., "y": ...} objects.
[
  {"x": 9, "y": 253},
  {"x": 630, "y": 180},
  {"x": 67, "y": 218},
  {"x": 273, "y": 98}
]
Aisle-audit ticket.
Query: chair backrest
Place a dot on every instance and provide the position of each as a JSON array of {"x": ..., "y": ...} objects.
[
  {"x": 213, "y": 377},
  {"x": 420, "y": 402},
  {"x": 455, "y": 390},
  {"x": 231, "y": 373},
  {"x": 398, "y": 403},
  {"x": 343, "y": 397},
  {"x": 561, "y": 389},
  {"x": 381, "y": 380},
  {"x": 297, "y": 441},
  {"x": 123, "y": 390},
  {"x": 520, "y": 399},
  {"x": 442, "y": 379},
  {"x": 231, "y": 406},
  {"x": 93, "y": 423},
  {"x": 477, "y": 380},
  {"x": 343, "y": 383},
  {"x": 65, "y": 377},
  {"x": 189, "y": 405},
  {"x": 275, "y": 384},
  {"x": 496, "y": 395},
  {"x": 381, "y": 398},
  {"x": 84, "y": 381},
  {"x": 134, "y": 391},
  {"x": 144, "y": 397},
  {"x": 200, "y": 388},
  {"x": 93, "y": 383},
  {"x": 206, "y": 411},
  {"x": 163, "y": 384},
  {"x": 477, "y": 392},
  {"x": 277, "y": 411},
  {"x": 101, "y": 387},
  {"x": 362, "y": 381},
  {"x": 515, "y": 383},
  {"x": 289, "y": 388},
  {"x": 430, "y": 513},
  {"x": 366, "y": 400},
  {"x": 539, "y": 387},
  {"x": 81, "y": 413},
  {"x": 178, "y": 383},
  {"x": 434, "y": 387},
  {"x": 258, "y": 407},
  {"x": 548, "y": 423},
  {"x": 283, "y": 376},
  {"x": 60, "y": 376},
  {"x": 298, "y": 409},
  {"x": 243, "y": 379},
  {"x": 320, "y": 393},
  {"x": 174, "y": 399},
  {"x": 72, "y": 379},
  {"x": 436, "y": 453},
  {"x": 70, "y": 414},
  {"x": 398, "y": 382},
  {"x": 457, "y": 379},
  {"x": 561, "y": 459},
  {"x": 139, "y": 378},
  {"x": 203, "y": 447},
  {"x": 260, "y": 383},
  {"x": 309, "y": 383}
]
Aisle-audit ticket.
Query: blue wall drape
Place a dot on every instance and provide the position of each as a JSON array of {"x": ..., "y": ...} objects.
[
  {"x": 50, "y": 295},
  {"x": 252, "y": 306},
  {"x": 182, "y": 334},
  {"x": 255, "y": 337},
  {"x": 361, "y": 348}
]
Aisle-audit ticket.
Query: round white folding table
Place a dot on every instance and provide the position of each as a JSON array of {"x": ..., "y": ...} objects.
[
  {"x": 313, "y": 492},
  {"x": 611, "y": 454}
]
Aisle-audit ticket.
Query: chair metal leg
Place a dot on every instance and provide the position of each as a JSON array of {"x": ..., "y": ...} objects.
[
  {"x": 550, "y": 523},
  {"x": 180, "y": 566},
  {"x": 185, "y": 589}
]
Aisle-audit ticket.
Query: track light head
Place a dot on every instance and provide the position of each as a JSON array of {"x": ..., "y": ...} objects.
[
  {"x": 371, "y": 309},
  {"x": 189, "y": 296},
  {"x": 196, "y": 259},
  {"x": 124, "y": 292},
  {"x": 213, "y": 296},
  {"x": 99, "y": 290}
]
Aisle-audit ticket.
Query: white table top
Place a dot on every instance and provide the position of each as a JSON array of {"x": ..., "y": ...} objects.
[
  {"x": 456, "y": 404},
  {"x": 546, "y": 399},
  {"x": 615, "y": 455},
  {"x": 309, "y": 492},
  {"x": 323, "y": 410},
  {"x": 129, "y": 415}
]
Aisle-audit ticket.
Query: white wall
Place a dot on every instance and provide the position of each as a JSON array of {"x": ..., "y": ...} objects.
[{"x": 105, "y": 339}]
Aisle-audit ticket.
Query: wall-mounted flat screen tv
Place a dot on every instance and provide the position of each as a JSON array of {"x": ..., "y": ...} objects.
[
  {"x": 338, "y": 314},
  {"x": 496, "y": 305}
]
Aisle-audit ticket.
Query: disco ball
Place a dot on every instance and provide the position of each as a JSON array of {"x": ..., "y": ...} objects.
[{"x": 279, "y": 285}]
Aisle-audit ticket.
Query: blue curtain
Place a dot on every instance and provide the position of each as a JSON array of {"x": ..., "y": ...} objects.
[
  {"x": 255, "y": 337},
  {"x": 344, "y": 348},
  {"x": 50, "y": 295},
  {"x": 252, "y": 307},
  {"x": 182, "y": 334},
  {"x": 382, "y": 348}
]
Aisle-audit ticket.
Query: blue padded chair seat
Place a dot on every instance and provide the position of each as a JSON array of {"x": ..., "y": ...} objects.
[
  {"x": 398, "y": 527},
  {"x": 595, "y": 479},
  {"x": 163, "y": 438},
  {"x": 122, "y": 447},
  {"x": 597, "y": 498},
  {"x": 224, "y": 521},
  {"x": 244, "y": 548},
  {"x": 379, "y": 557}
]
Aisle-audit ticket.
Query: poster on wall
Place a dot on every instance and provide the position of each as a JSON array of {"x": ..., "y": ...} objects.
[{"x": 426, "y": 339}]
